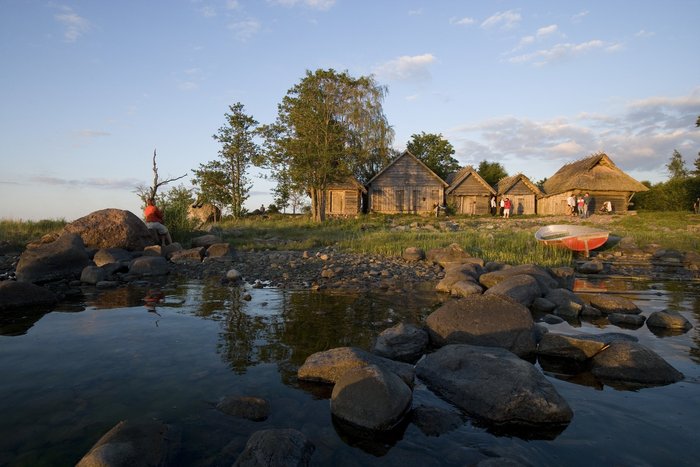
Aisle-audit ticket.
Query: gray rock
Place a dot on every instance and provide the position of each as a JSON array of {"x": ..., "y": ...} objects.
[
  {"x": 63, "y": 258},
  {"x": 542, "y": 305},
  {"x": 452, "y": 254},
  {"x": 111, "y": 255},
  {"x": 92, "y": 275},
  {"x": 17, "y": 295},
  {"x": 219, "y": 250},
  {"x": 250, "y": 408},
  {"x": 149, "y": 443},
  {"x": 413, "y": 253},
  {"x": 570, "y": 347},
  {"x": 522, "y": 288},
  {"x": 494, "y": 385},
  {"x": 492, "y": 320},
  {"x": 568, "y": 304},
  {"x": 552, "y": 319},
  {"x": 371, "y": 398},
  {"x": 189, "y": 256},
  {"x": 111, "y": 228},
  {"x": 631, "y": 362},
  {"x": 205, "y": 241},
  {"x": 435, "y": 421},
  {"x": 611, "y": 303},
  {"x": 543, "y": 277},
  {"x": 590, "y": 267},
  {"x": 233, "y": 275},
  {"x": 668, "y": 320},
  {"x": 622, "y": 319},
  {"x": 276, "y": 447},
  {"x": 149, "y": 266},
  {"x": 329, "y": 365},
  {"x": 403, "y": 342},
  {"x": 465, "y": 289},
  {"x": 565, "y": 276}
]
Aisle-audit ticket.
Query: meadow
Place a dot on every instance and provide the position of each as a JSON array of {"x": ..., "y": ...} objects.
[{"x": 493, "y": 239}]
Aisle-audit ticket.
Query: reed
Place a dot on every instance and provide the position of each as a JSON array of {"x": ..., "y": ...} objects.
[{"x": 18, "y": 233}]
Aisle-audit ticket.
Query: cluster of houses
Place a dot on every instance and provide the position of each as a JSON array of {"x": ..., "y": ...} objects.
[{"x": 407, "y": 185}]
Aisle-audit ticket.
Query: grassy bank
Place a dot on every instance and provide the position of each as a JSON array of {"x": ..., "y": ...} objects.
[{"x": 492, "y": 239}]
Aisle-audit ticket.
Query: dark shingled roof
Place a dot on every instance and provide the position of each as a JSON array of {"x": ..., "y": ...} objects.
[{"x": 594, "y": 173}]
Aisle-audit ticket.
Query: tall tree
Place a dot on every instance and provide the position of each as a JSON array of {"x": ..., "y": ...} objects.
[
  {"x": 435, "y": 152},
  {"x": 224, "y": 182},
  {"x": 676, "y": 166},
  {"x": 696, "y": 171},
  {"x": 329, "y": 126},
  {"x": 491, "y": 172}
]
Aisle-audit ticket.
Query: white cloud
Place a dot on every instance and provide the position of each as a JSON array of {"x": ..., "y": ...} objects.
[
  {"x": 245, "y": 30},
  {"x": 641, "y": 138},
  {"x": 466, "y": 21},
  {"x": 92, "y": 133},
  {"x": 579, "y": 16},
  {"x": 643, "y": 33},
  {"x": 407, "y": 68},
  {"x": 559, "y": 52},
  {"x": 74, "y": 24},
  {"x": 104, "y": 183},
  {"x": 232, "y": 5},
  {"x": 503, "y": 20},
  {"x": 313, "y": 4},
  {"x": 547, "y": 31}
]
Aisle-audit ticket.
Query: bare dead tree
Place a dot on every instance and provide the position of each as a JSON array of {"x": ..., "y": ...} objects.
[{"x": 146, "y": 193}]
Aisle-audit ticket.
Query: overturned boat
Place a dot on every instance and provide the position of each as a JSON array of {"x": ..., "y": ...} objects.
[{"x": 573, "y": 237}]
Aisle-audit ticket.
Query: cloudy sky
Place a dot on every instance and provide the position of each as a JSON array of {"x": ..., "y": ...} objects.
[{"x": 89, "y": 89}]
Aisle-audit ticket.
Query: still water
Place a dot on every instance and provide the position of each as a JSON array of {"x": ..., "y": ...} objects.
[{"x": 70, "y": 375}]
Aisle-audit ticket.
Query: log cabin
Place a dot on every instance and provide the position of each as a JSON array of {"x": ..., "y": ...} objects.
[
  {"x": 522, "y": 192},
  {"x": 468, "y": 192}
]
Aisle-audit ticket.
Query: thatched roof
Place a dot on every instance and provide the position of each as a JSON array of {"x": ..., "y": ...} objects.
[
  {"x": 506, "y": 183},
  {"x": 456, "y": 178},
  {"x": 407, "y": 153},
  {"x": 594, "y": 173}
]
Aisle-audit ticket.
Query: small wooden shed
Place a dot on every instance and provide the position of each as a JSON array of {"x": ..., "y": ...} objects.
[
  {"x": 344, "y": 198},
  {"x": 596, "y": 175},
  {"x": 522, "y": 193},
  {"x": 406, "y": 185},
  {"x": 468, "y": 192}
]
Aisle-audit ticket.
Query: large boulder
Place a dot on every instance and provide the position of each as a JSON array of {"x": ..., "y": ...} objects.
[
  {"x": 609, "y": 304},
  {"x": 370, "y": 398},
  {"x": 149, "y": 266},
  {"x": 112, "y": 228},
  {"x": 668, "y": 320},
  {"x": 276, "y": 447},
  {"x": 15, "y": 295},
  {"x": 111, "y": 255},
  {"x": 403, "y": 342},
  {"x": 493, "y": 385},
  {"x": 567, "y": 303},
  {"x": 148, "y": 443},
  {"x": 64, "y": 258},
  {"x": 451, "y": 255},
  {"x": 569, "y": 347},
  {"x": 632, "y": 363},
  {"x": 487, "y": 320},
  {"x": 329, "y": 365},
  {"x": 522, "y": 288}
]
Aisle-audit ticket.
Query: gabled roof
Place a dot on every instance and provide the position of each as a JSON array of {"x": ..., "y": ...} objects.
[
  {"x": 506, "y": 183},
  {"x": 456, "y": 179},
  {"x": 597, "y": 172},
  {"x": 407, "y": 153}
]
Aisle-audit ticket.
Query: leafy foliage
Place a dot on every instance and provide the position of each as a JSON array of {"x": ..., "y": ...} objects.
[
  {"x": 175, "y": 204},
  {"x": 329, "y": 126},
  {"x": 223, "y": 182},
  {"x": 435, "y": 152},
  {"x": 491, "y": 172},
  {"x": 676, "y": 166}
]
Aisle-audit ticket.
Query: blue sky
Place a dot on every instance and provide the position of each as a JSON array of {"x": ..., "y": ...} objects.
[{"x": 90, "y": 88}]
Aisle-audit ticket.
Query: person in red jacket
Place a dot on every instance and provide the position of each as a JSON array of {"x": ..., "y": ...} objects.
[{"x": 154, "y": 220}]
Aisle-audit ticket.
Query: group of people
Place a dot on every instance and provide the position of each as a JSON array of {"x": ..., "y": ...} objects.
[
  {"x": 506, "y": 206},
  {"x": 578, "y": 205}
]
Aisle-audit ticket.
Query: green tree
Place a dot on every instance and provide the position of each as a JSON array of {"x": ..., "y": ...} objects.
[
  {"x": 492, "y": 172},
  {"x": 435, "y": 152},
  {"x": 329, "y": 126},
  {"x": 175, "y": 204},
  {"x": 223, "y": 182},
  {"x": 696, "y": 171},
  {"x": 676, "y": 166}
]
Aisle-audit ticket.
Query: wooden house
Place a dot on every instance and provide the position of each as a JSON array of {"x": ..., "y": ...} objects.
[
  {"x": 406, "y": 185},
  {"x": 344, "y": 198},
  {"x": 522, "y": 193},
  {"x": 468, "y": 193},
  {"x": 596, "y": 175}
]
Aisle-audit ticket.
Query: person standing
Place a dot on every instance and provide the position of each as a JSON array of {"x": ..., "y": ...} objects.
[
  {"x": 579, "y": 205},
  {"x": 571, "y": 202},
  {"x": 506, "y": 208},
  {"x": 154, "y": 220},
  {"x": 493, "y": 205},
  {"x": 696, "y": 206},
  {"x": 586, "y": 203}
]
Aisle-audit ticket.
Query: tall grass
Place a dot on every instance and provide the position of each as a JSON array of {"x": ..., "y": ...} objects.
[{"x": 19, "y": 232}]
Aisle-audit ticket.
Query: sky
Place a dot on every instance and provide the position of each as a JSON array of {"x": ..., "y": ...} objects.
[{"x": 89, "y": 89}]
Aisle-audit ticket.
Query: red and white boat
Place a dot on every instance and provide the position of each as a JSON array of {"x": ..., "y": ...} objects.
[{"x": 573, "y": 237}]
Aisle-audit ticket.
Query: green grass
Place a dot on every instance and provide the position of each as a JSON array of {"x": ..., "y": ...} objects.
[{"x": 492, "y": 239}]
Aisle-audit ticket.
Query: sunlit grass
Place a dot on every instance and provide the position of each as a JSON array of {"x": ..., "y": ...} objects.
[{"x": 20, "y": 232}]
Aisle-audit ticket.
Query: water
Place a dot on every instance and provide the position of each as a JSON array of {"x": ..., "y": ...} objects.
[{"x": 72, "y": 374}]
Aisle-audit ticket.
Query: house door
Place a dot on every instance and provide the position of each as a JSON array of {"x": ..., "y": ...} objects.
[
  {"x": 415, "y": 202},
  {"x": 399, "y": 200}
]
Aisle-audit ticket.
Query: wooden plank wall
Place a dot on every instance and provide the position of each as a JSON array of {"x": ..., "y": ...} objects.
[{"x": 405, "y": 187}]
